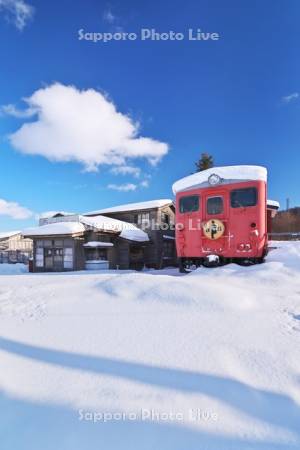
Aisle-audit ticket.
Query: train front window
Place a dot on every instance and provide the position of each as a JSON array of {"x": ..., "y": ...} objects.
[
  {"x": 214, "y": 205},
  {"x": 189, "y": 204},
  {"x": 241, "y": 198}
]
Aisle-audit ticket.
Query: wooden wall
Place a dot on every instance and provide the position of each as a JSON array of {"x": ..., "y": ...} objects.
[{"x": 127, "y": 254}]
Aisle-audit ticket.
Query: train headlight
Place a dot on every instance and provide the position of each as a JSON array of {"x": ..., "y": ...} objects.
[
  {"x": 214, "y": 179},
  {"x": 248, "y": 247},
  {"x": 241, "y": 247}
]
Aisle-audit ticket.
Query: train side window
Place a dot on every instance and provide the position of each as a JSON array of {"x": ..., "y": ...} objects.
[
  {"x": 240, "y": 198},
  {"x": 214, "y": 205},
  {"x": 189, "y": 204}
]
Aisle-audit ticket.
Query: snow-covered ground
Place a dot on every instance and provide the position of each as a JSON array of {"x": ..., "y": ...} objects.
[{"x": 153, "y": 360}]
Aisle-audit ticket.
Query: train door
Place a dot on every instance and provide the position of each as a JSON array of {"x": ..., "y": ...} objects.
[
  {"x": 189, "y": 217},
  {"x": 215, "y": 214}
]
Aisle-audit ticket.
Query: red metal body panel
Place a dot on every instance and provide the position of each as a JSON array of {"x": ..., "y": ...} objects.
[{"x": 243, "y": 225}]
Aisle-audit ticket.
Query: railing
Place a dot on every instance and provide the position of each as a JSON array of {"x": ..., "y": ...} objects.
[{"x": 285, "y": 236}]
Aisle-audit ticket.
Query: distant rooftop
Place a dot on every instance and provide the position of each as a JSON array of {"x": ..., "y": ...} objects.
[
  {"x": 132, "y": 207},
  {"x": 48, "y": 214},
  {"x": 8, "y": 234},
  {"x": 273, "y": 204}
]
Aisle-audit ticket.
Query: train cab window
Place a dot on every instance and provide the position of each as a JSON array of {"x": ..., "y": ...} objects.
[
  {"x": 189, "y": 204},
  {"x": 241, "y": 198},
  {"x": 214, "y": 205}
]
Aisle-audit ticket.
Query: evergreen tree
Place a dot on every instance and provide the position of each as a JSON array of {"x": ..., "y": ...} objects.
[{"x": 205, "y": 162}]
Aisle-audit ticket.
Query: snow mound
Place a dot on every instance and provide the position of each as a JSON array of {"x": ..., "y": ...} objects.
[
  {"x": 13, "y": 269},
  {"x": 209, "y": 360}
]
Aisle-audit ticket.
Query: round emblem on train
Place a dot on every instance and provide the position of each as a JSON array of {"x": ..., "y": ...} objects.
[
  {"x": 214, "y": 179},
  {"x": 213, "y": 229}
]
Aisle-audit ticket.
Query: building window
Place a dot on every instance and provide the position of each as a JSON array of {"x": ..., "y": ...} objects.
[
  {"x": 68, "y": 258},
  {"x": 168, "y": 249},
  {"x": 48, "y": 258},
  {"x": 96, "y": 254},
  {"x": 144, "y": 219},
  {"x": 165, "y": 218},
  {"x": 189, "y": 204},
  {"x": 214, "y": 205},
  {"x": 39, "y": 257},
  {"x": 136, "y": 253},
  {"x": 241, "y": 198}
]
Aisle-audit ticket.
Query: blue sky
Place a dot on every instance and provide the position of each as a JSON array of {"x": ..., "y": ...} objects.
[{"x": 236, "y": 98}]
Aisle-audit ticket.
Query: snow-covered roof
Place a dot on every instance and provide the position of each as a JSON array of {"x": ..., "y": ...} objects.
[
  {"x": 60, "y": 228},
  {"x": 79, "y": 224},
  {"x": 96, "y": 244},
  {"x": 227, "y": 174},
  {"x": 8, "y": 234},
  {"x": 127, "y": 230},
  {"x": 48, "y": 214},
  {"x": 132, "y": 207},
  {"x": 273, "y": 203}
]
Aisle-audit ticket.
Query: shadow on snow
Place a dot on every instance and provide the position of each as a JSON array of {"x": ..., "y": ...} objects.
[{"x": 273, "y": 408}]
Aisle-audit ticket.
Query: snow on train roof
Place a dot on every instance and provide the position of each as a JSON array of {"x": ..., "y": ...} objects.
[{"x": 226, "y": 173}]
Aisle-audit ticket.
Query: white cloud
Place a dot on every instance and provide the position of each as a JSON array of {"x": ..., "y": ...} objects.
[
  {"x": 18, "y": 11},
  {"x": 11, "y": 110},
  {"x": 144, "y": 184},
  {"x": 289, "y": 98},
  {"x": 126, "y": 170},
  {"x": 109, "y": 17},
  {"x": 128, "y": 186},
  {"x": 14, "y": 210},
  {"x": 123, "y": 187},
  {"x": 82, "y": 126}
]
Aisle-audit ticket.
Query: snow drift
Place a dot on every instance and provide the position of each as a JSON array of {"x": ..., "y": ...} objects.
[{"x": 153, "y": 360}]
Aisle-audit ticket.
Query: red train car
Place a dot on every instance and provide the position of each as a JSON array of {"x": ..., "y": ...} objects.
[{"x": 221, "y": 216}]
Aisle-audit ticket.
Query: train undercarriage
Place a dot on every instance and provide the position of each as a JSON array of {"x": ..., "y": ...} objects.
[{"x": 187, "y": 265}]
